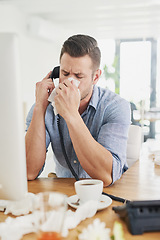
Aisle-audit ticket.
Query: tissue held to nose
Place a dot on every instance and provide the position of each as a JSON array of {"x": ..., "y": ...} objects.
[{"x": 53, "y": 94}]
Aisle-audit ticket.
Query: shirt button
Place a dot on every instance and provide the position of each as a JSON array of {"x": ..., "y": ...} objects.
[{"x": 75, "y": 161}]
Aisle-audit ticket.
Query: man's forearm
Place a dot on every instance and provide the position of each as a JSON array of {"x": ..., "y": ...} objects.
[
  {"x": 35, "y": 143},
  {"x": 93, "y": 157}
]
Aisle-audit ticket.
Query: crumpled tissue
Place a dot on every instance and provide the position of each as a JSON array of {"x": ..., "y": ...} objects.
[
  {"x": 20, "y": 207},
  {"x": 86, "y": 210},
  {"x": 53, "y": 93},
  {"x": 15, "y": 228}
]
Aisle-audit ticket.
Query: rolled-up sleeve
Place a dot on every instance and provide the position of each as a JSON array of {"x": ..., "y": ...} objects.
[
  {"x": 113, "y": 135},
  {"x": 28, "y": 122}
]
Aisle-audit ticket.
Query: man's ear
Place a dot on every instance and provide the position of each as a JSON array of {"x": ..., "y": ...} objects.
[{"x": 96, "y": 76}]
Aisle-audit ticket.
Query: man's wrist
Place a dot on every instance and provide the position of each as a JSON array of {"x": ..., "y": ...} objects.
[
  {"x": 40, "y": 109},
  {"x": 72, "y": 118}
]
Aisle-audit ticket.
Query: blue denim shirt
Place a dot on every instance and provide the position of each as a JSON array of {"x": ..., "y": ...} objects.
[{"x": 107, "y": 117}]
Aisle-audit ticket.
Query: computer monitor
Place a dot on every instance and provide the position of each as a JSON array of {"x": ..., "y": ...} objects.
[{"x": 13, "y": 177}]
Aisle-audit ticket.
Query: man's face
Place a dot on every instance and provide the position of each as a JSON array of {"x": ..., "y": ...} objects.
[{"x": 79, "y": 68}]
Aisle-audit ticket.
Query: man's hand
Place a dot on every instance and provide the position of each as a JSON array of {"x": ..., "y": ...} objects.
[
  {"x": 43, "y": 90},
  {"x": 67, "y": 99}
]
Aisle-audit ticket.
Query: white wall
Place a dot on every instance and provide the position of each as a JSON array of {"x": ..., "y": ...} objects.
[{"x": 37, "y": 56}]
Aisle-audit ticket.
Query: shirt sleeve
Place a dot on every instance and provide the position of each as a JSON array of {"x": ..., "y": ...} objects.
[{"x": 113, "y": 135}]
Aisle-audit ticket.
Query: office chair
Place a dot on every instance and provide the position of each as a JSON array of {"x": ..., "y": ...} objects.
[
  {"x": 145, "y": 127},
  {"x": 134, "y": 144},
  {"x": 133, "y": 107}
]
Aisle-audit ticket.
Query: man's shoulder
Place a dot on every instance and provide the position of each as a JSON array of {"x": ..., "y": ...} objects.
[
  {"x": 109, "y": 97},
  {"x": 112, "y": 106}
]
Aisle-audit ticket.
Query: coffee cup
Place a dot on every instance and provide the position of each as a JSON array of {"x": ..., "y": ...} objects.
[{"x": 89, "y": 189}]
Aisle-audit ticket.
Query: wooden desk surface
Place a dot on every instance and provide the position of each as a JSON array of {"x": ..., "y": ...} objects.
[{"x": 141, "y": 181}]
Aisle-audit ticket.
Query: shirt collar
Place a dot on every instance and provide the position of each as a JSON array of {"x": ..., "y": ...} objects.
[
  {"x": 94, "y": 98},
  {"x": 93, "y": 101}
]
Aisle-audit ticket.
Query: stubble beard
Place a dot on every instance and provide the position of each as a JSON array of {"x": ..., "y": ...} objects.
[
  {"x": 89, "y": 91},
  {"x": 86, "y": 94}
]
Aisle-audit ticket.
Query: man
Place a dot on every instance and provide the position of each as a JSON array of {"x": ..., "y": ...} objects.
[{"x": 94, "y": 123}]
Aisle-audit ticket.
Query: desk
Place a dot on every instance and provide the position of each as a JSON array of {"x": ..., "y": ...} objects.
[{"x": 140, "y": 182}]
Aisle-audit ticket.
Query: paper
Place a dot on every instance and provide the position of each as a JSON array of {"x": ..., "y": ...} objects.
[
  {"x": 53, "y": 94},
  {"x": 86, "y": 210},
  {"x": 20, "y": 207},
  {"x": 15, "y": 228}
]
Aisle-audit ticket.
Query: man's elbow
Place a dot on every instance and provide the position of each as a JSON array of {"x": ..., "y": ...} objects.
[
  {"x": 31, "y": 175},
  {"x": 107, "y": 181}
]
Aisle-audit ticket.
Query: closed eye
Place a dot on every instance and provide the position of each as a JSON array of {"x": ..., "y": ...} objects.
[
  {"x": 65, "y": 74},
  {"x": 78, "y": 76}
]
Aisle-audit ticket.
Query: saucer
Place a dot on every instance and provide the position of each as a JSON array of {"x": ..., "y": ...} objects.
[{"x": 104, "y": 202}]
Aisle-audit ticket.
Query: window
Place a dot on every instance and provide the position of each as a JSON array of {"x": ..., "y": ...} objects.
[
  {"x": 107, "y": 47},
  {"x": 135, "y": 71}
]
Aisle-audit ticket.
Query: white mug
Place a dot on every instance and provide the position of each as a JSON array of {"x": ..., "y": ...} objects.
[{"x": 88, "y": 189}]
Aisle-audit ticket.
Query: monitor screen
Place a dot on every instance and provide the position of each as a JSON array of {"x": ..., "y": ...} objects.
[{"x": 13, "y": 178}]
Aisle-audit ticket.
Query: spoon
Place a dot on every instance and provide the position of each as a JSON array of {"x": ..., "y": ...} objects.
[{"x": 76, "y": 203}]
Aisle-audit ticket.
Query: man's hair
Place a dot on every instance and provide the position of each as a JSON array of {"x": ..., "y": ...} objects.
[{"x": 81, "y": 45}]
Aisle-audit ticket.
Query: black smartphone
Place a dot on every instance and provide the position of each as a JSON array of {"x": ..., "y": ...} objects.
[{"x": 55, "y": 73}]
